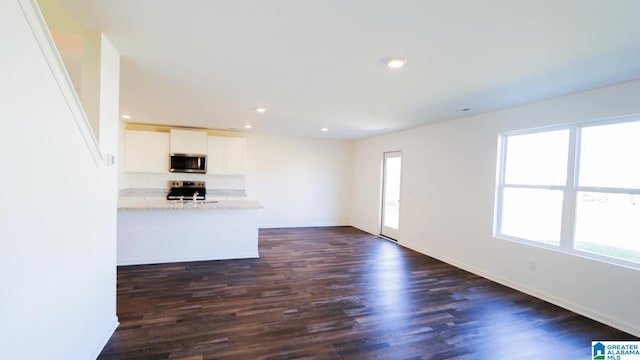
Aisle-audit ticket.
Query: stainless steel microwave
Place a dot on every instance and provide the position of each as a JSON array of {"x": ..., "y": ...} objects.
[{"x": 188, "y": 163}]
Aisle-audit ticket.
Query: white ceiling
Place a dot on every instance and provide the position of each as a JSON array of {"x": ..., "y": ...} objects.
[{"x": 209, "y": 63}]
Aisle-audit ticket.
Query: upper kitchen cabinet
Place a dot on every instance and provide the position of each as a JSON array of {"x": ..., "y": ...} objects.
[
  {"x": 226, "y": 155},
  {"x": 146, "y": 151},
  {"x": 188, "y": 142}
]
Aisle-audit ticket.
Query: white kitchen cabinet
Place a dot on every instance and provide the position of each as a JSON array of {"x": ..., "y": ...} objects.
[
  {"x": 188, "y": 142},
  {"x": 146, "y": 151},
  {"x": 216, "y": 153},
  {"x": 158, "y": 152},
  {"x": 226, "y": 155},
  {"x": 135, "y": 151}
]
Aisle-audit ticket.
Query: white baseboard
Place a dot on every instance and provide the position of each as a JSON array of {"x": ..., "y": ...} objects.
[
  {"x": 302, "y": 225},
  {"x": 569, "y": 305},
  {"x": 109, "y": 333},
  {"x": 165, "y": 260}
]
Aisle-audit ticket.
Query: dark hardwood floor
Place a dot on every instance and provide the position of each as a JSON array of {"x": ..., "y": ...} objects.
[{"x": 336, "y": 293}]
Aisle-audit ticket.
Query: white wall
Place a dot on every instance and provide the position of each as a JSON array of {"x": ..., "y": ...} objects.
[
  {"x": 299, "y": 181},
  {"x": 57, "y": 210},
  {"x": 448, "y": 189}
]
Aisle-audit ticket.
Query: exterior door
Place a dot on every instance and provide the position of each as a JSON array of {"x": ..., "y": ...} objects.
[{"x": 391, "y": 176}]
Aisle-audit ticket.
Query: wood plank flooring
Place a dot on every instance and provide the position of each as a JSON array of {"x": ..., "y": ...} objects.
[{"x": 336, "y": 293}]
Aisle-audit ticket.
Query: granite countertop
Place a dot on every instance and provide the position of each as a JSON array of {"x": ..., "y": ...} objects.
[{"x": 161, "y": 204}]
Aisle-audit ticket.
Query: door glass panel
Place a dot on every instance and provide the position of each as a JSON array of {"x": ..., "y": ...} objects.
[{"x": 391, "y": 196}]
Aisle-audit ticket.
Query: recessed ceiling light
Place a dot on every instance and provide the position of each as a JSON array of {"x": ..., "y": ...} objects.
[
  {"x": 125, "y": 116},
  {"x": 324, "y": 129},
  {"x": 248, "y": 126},
  {"x": 261, "y": 109},
  {"x": 396, "y": 63}
]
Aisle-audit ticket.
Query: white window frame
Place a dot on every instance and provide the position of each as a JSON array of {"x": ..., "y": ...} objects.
[{"x": 570, "y": 189}]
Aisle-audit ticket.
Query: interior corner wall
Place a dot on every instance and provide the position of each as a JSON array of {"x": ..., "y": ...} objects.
[
  {"x": 299, "y": 181},
  {"x": 448, "y": 190},
  {"x": 57, "y": 223}
]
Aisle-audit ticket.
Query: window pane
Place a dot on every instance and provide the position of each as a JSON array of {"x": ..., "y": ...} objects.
[
  {"x": 537, "y": 159},
  {"x": 609, "y": 224},
  {"x": 610, "y": 155},
  {"x": 532, "y": 214}
]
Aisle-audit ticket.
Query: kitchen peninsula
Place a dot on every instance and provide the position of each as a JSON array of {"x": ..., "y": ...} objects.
[{"x": 161, "y": 231}]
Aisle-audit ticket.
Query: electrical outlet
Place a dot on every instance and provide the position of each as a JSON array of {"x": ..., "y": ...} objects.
[{"x": 532, "y": 265}]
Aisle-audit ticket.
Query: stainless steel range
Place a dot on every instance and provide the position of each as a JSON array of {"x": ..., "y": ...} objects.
[{"x": 187, "y": 190}]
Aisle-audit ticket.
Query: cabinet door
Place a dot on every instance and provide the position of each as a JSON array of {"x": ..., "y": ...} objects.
[
  {"x": 236, "y": 154},
  {"x": 146, "y": 151},
  {"x": 188, "y": 142},
  {"x": 216, "y": 153},
  {"x": 135, "y": 149},
  {"x": 158, "y": 152},
  {"x": 196, "y": 142},
  {"x": 178, "y": 142}
]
